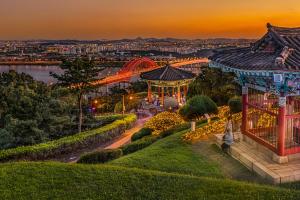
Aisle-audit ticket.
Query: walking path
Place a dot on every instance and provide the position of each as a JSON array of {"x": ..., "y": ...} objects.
[{"x": 124, "y": 139}]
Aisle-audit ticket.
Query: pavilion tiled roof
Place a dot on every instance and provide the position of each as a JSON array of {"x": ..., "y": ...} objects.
[
  {"x": 278, "y": 49},
  {"x": 167, "y": 73}
]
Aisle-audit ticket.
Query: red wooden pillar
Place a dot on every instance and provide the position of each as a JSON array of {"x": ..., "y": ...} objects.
[
  {"x": 185, "y": 90},
  {"x": 158, "y": 91},
  {"x": 244, "y": 108},
  {"x": 162, "y": 96},
  {"x": 281, "y": 125},
  {"x": 178, "y": 95},
  {"x": 149, "y": 92}
]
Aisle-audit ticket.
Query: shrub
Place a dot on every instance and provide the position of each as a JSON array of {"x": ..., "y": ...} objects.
[
  {"x": 163, "y": 121},
  {"x": 141, "y": 133},
  {"x": 235, "y": 104},
  {"x": 174, "y": 129},
  {"x": 139, "y": 144},
  {"x": 179, "y": 128},
  {"x": 101, "y": 156},
  {"x": 197, "y": 106},
  {"x": 118, "y": 107},
  {"x": 129, "y": 105}
]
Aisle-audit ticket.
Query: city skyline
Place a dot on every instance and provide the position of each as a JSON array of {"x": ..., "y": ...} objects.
[{"x": 115, "y": 19}]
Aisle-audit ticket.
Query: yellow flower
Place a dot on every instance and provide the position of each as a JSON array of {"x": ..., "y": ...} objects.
[{"x": 163, "y": 121}]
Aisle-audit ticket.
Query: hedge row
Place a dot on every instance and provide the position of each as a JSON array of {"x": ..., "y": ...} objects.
[
  {"x": 139, "y": 144},
  {"x": 70, "y": 143},
  {"x": 106, "y": 155},
  {"x": 140, "y": 140},
  {"x": 100, "y": 156},
  {"x": 141, "y": 133}
]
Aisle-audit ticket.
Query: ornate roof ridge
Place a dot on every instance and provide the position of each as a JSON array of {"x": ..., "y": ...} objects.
[
  {"x": 285, "y": 53},
  {"x": 280, "y": 28}
]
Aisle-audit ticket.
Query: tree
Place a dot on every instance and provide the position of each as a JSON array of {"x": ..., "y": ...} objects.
[
  {"x": 139, "y": 86},
  {"x": 116, "y": 90},
  {"x": 218, "y": 85},
  {"x": 31, "y": 112},
  {"x": 78, "y": 77},
  {"x": 197, "y": 107}
]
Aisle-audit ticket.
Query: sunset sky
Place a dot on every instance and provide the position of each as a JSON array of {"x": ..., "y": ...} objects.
[{"x": 111, "y": 19}]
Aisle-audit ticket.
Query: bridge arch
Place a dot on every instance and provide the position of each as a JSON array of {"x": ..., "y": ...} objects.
[{"x": 138, "y": 65}]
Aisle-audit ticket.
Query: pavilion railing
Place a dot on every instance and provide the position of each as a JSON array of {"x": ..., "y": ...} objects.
[
  {"x": 263, "y": 124},
  {"x": 292, "y": 133},
  {"x": 262, "y": 121}
]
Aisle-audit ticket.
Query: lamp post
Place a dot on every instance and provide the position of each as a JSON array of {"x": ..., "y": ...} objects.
[{"x": 123, "y": 103}]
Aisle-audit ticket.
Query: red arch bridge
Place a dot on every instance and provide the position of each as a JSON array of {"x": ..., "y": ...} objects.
[{"x": 138, "y": 65}]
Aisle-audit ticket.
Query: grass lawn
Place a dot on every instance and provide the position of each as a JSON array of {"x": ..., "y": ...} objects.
[
  {"x": 73, "y": 181},
  {"x": 170, "y": 155},
  {"x": 168, "y": 169}
]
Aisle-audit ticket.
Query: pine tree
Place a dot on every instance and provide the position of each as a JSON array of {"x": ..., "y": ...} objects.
[{"x": 78, "y": 77}]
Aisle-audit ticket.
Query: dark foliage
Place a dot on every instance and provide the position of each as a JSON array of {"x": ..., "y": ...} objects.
[
  {"x": 78, "y": 77},
  {"x": 31, "y": 112},
  {"x": 139, "y": 144},
  {"x": 100, "y": 156},
  {"x": 141, "y": 133},
  {"x": 235, "y": 104},
  {"x": 218, "y": 85},
  {"x": 139, "y": 86},
  {"x": 197, "y": 106}
]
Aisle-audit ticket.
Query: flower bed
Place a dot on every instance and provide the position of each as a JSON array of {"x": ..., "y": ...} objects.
[
  {"x": 214, "y": 127},
  {"x": 163, "y": 121},
  {"x": 69, "y": 144}
]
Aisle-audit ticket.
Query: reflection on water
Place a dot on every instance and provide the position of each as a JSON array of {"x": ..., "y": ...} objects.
[
  {"x": 41, "y": 73},
  {"x": 38, "y": 72}
]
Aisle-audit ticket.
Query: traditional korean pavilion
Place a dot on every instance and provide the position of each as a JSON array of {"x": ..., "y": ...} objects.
[
  {"x": 269, "y": 73},
  {"x": 166, "y": 78}
]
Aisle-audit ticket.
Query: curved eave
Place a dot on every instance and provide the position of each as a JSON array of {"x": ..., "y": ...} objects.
[
  {"x": 261, "y": 73},
  {"x": 170, "y": 83}
]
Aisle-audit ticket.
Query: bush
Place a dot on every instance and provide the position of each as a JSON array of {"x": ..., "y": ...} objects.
[
  {"x": 139, "y": 144},
  {"x": 235, "y": 104},
  {"x": 101, "y": 156},
  {"x": 197, "y": 106},
  {"x": 70, "y": 143},
  {"x": 179, "y": 128},
  {"x": 141, "y": 133},
  {"x": 129, "y": 105},
  {"x": 163, "y": 121},
  {"x": 118, "y": 107}
]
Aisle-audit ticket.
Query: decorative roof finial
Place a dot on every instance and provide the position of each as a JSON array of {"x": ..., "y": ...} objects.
[{"x": 269, "y": 25}]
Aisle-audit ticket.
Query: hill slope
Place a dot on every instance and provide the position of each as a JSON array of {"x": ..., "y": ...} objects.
[{"x": 50, "y": 180}]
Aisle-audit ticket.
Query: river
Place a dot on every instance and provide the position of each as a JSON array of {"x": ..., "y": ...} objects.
[
  {"x": 42, "y": 73},
  {"x": 38, "y": 72}
]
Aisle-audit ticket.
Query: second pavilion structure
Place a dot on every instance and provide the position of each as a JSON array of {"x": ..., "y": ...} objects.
[
  {"x": 269, "y": 73},
  {"x": 168, "y": 78}
]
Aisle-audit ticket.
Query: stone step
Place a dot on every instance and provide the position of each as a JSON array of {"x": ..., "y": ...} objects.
[{"x": 261, "y": 164}]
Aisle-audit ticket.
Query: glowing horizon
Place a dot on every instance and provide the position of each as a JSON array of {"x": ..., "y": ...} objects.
[{"x": 115, "y": 19}]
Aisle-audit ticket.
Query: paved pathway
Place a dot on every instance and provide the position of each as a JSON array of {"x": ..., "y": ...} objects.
[{"x": 125, "y": 138}]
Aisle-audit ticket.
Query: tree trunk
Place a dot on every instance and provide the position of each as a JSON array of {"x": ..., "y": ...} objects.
[{"x": 80, "y": 112}]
